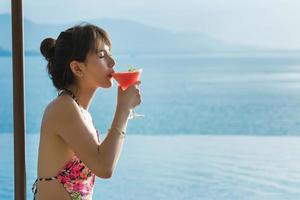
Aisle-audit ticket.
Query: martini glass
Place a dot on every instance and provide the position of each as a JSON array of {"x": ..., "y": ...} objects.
[{"x": 126, "y": 79}]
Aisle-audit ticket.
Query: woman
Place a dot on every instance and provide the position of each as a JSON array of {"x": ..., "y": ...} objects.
[{"x": 70, "y": 153}]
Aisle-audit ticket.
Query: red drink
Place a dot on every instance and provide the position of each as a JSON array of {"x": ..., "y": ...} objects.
[{"x": 126, "y": 79}]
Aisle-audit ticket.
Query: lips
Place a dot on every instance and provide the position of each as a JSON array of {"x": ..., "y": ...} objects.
[{"x": 110, "y": 75}]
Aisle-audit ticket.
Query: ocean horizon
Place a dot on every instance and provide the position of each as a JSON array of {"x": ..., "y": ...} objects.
[{"x": 211, "y": 94}]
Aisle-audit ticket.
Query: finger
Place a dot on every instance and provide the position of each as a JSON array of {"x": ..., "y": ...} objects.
[
  {"x": 120, "y": 89},
  {"x": 137, "y": 83},
  {"x": 133, "y": 86}
]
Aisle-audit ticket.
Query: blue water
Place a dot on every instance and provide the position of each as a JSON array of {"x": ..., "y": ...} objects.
[
  {"x": 210, "y": 130},
  {"x": 205, "y": 94},
  {"x": 186, "y": 167}
]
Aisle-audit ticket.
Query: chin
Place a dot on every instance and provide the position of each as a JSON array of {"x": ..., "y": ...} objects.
[{"x": 108, "y": 84}]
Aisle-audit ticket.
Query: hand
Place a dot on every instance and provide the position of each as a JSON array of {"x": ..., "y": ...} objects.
[{"x": 129, "y": 98}]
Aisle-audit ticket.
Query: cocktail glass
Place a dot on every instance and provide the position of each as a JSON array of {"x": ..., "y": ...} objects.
[{"x": 126, "y": 79}]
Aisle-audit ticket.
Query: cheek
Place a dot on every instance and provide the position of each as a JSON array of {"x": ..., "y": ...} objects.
[
  {"x": 99, "y": 74},
  {"x": 96, "y": 68}
]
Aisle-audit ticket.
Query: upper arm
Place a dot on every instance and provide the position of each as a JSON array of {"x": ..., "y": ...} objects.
[{"x": 72, "y": 128}]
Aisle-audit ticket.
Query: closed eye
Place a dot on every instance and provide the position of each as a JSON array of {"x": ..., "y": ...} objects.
[{"x": 101, "y": 53}]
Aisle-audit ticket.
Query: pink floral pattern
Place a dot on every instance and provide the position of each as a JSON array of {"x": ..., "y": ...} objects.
[{"x": 77, "y": 179}]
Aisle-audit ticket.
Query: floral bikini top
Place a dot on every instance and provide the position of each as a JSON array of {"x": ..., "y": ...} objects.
[{"x": 75, "y": 176}]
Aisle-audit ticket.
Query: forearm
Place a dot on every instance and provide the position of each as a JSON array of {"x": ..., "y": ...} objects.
[
  {"x": 111, "y": 146},
  {"x": 121, "y": 118}
]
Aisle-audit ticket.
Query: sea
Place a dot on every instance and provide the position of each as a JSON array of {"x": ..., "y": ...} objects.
[{"x": 216, "y": 126}]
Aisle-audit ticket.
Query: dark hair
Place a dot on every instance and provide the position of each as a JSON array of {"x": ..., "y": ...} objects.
[{"x": 73, "y": 44}]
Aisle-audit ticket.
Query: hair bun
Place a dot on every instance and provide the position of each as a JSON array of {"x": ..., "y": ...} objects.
[{"x": 47, "y": 48}]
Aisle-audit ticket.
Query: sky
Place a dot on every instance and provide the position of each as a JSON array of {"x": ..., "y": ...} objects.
[{"x": 264, "y": 23}]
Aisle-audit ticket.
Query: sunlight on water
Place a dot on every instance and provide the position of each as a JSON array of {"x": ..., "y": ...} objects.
[{"x": 186, "y": 167}]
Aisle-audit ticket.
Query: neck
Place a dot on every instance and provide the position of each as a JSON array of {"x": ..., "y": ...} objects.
[{"x": 83, "y": 95}]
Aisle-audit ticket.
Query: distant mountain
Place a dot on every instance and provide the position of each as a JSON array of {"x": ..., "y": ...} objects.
[
  {"x": 33, "y": 33},
  {"x": 127, "y": 37},
  {"x": 4, "y": 52}
]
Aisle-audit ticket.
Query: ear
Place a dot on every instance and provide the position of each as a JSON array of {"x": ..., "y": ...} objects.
[{"x": 77, "y": 68}]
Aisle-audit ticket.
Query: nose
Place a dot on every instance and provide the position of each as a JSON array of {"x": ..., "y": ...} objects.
[{"x": 111, "y": 62}]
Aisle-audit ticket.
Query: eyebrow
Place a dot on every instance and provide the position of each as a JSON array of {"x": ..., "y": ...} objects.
[
  {"x": 105, "y": 52},
  {"x": 103, "y": 46},
  {"x": 98, "y": 50}
]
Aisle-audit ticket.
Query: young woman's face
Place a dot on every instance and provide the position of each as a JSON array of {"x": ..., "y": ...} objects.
[{"x": 99, "y": 67}]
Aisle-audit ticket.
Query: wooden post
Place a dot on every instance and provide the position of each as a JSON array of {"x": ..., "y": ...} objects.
[{"x": 18, "y": 100}]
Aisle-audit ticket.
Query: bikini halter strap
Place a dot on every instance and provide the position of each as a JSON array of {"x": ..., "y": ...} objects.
[{"x": 69, "y": 92}]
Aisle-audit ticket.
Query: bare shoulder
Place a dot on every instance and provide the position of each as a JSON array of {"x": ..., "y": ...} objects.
[
  {"x": 60, "y": 104},
  {"x": 58, "y": 111}
]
